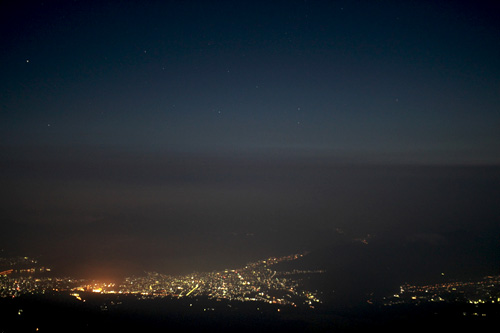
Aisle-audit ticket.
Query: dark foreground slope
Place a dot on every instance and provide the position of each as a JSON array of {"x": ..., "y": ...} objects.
[{"x": 62, "y": 313}]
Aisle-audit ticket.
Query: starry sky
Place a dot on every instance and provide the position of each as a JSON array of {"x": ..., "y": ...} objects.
[
  {"x": 413, "y": 78},
  {"x": 128, "y": 127}
]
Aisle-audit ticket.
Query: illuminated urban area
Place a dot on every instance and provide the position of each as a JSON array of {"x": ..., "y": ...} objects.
[
  {"x": 482, "y": 291},
  {"x": 256, "y": 282}
]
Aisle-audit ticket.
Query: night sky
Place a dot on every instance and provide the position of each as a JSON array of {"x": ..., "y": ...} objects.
[{"x": 189, "y": 135}]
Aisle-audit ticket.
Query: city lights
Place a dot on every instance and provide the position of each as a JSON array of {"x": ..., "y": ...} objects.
[{"x": 255, "y": 282}]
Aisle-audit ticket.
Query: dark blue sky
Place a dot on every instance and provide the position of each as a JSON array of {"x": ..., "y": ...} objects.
[{"x": 413, "y": 81}]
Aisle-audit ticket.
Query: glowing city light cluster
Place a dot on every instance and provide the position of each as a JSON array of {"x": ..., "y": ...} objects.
[
  {"x": 485, "y": 290},
  {"x": 256, "y": 282}
]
